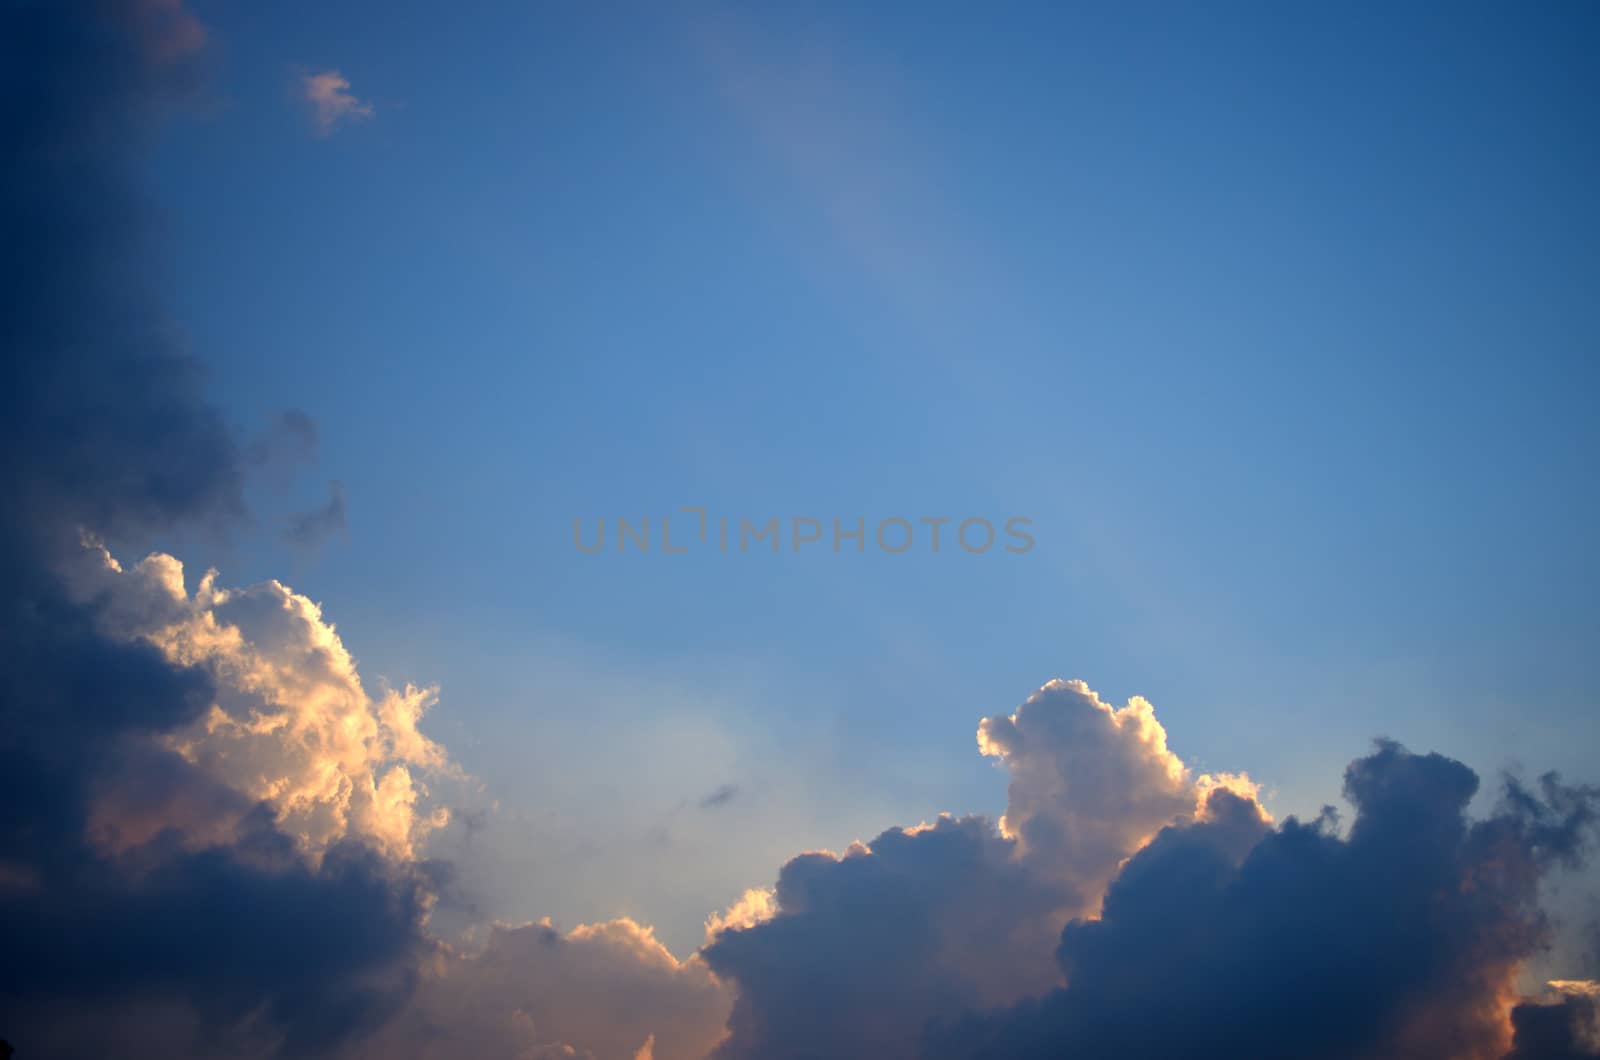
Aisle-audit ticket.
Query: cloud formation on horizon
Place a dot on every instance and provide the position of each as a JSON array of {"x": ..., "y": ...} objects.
[
  {"x": 1222, "y": 935},
  {"x": 964, "y": 912},
  {"x": 1228, "y": 937}
]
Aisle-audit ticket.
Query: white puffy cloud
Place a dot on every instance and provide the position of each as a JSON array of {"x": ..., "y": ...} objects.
[
  {"x": 1091, "y": 783},
  {"x": 292, "y": 724}
]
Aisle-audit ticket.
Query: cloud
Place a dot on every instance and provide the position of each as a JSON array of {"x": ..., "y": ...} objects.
[
  {"x": 1090, "y": 783},
  {"x": 1402, "y": 939},
  {"x": 213, "y": 835},
  {"x": 328, "y": 94},
  {"x": 144, "y": 897},
  {"x": 756, "y": 905},
  {"x": 98, "y": 390},
  {"x": 309, "y": 530},
  {"x": 143, "y": 891},
  {"x": 1084, "y": 924},
  {"x": 1565, "y": 1027},
  {"x": 288, "y": 442},
  {"x": 865, "y": 948},
  {"x": 607, "y": 991},
  {"x": 724, "y": 794},
  {"x": 290, "y": 722}
]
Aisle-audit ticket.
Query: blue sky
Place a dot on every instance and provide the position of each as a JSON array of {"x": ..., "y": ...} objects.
[{"x": 1280, "y": 329}]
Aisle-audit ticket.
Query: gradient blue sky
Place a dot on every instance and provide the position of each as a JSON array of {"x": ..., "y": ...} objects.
[{"x": 1281, "y": 331}]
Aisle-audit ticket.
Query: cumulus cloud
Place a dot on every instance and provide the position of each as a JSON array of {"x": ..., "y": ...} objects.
[
  {"x": 1126, "y": 907},
  {"x": 866, "y": 947},
  {"x": 1401, "y": 939},
  {"x": 961, "y": 913},
  {"x": 1090, "y": 783},
  {"x": 291, "y": 723},
  {"x": 331, "y": 102},
  {"x": 147, "y": 903},
  {"x": 213, "y": 829}
]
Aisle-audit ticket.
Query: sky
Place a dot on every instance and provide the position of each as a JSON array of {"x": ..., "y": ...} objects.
[{"x": 1275, "y": 328}]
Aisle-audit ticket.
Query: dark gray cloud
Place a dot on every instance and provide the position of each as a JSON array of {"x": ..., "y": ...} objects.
[
  {"x": 1567, "y": 1029},
  {"x": 103, "y": 421},
  {"x": 1224, "y": 936},
  {"x": 1400, "y": 939},
  {"x": 921, "y": 923},
  {"x": 869, "y": 947},
  {"x": 193, "y": 944}
]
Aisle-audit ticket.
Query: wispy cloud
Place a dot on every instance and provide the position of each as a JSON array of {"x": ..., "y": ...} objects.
[
  {"x": 308, "y": 530},
  {"x": 720, "y": 797},
  {"x": 332, "y": 102}
]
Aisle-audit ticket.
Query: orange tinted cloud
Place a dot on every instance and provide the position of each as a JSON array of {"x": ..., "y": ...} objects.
[{"x": 328, "y": 94}]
